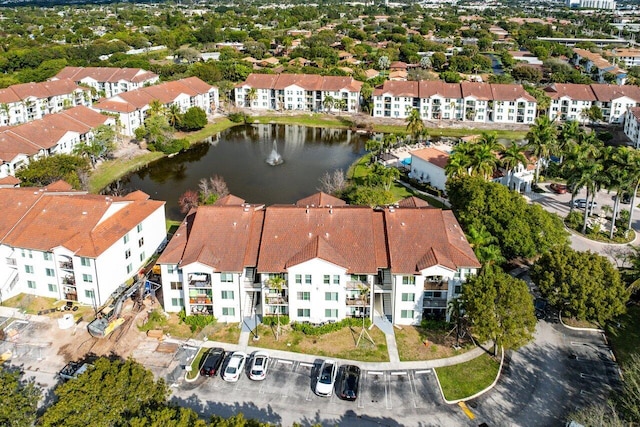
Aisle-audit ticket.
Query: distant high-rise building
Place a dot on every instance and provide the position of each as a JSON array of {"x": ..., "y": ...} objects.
[{"x": 592, "y": 4}]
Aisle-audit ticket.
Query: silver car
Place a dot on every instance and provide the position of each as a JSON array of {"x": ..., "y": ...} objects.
[{"x": 259, "y": 366}]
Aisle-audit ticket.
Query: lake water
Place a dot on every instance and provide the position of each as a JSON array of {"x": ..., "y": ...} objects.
[{"x": 240, "y": 156}]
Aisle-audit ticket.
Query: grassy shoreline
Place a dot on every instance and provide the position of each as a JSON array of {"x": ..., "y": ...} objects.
[{"x": 110, "y": 171}]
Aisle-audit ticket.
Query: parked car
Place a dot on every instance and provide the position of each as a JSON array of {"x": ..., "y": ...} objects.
[
  {"x": 235, "y": 367},
  {"x": 259, "y": 366},
  {"x": 626, "y": 198},
  {"x": 327, "y": 378},
  {"x": 211, "y": 361},
  {"x": 582, "y": 203},
  {"x": 558, "y": 188},
  {"x": 349, "y": 382}
]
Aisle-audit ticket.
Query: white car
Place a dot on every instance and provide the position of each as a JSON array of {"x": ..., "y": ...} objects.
[
  {"x": 259, "y": 366},
  {"x": 326, "y": 378},
  {"x": 234, "y": 367}
]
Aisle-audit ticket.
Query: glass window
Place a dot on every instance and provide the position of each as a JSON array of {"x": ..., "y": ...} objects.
[
  {"x": 127, "y": 254},
  {"x": 331, "y": 296},
  {"x": 52, "y": 287},
  {"x": 171, "y": 269},
  {"x": 457, "y": 289},
  {"x": 50, "y": 272},
  {"x": 87, "y": 278},
  {"x": 304, "y": 312},
  {"x": 227, "y": 295},
  {"x": 299, "y": 279},
  {"x": 126, "y": 238},
  {"x": 331, "y": 312},
  {"x": 326, "y": 279},
  {"x": 89, "y": 294},
  {"x": 139, "y": 228},
  {"x": 141, "y": 242},
  {"x": 336, "y": 279},
  {"x": 176, "y": 286},
  {"x": 408, "y": 297},
  {"x": 142, "y": 257},
  {"x": 48, "y": 256},
  {"x": 31, "y": 284},
  {"x": 304, "y": 296},
  {"x": 228, "y": 311},
  {"x": 408, "y": 280},
  {"x": 85, "y": 262},
  {"x": 177, "y": 302},
  {"x": 129, "y": 268},
  {"x": 226, "y": 277},
  {"x": 28, "y": 268},
  {"x": 307, "y": 279},
  {"x": 406, "y": 314}
]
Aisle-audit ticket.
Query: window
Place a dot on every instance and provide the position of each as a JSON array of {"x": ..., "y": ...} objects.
[
  {"x": 326, "y": 279},
  {"x": 304, "y": 312},
  {"x": 126, "y": 238},
  {"x": 89, "y": 294},
  {"x": 226, "y": 277},
  {"x": 406, "y": 314},
  {"x": 141, "y": 242},
  {"x": 31, "y": 284},
  {"x": 457, "y": 289},
  {"x": 28, "y": 268},
  {"x": 52, "y": 287},
  {"x": 336, "y": 279},
  {"x": 48, "y": 256},
  {"x": 139, "y": 228},
  {"x": 227, "y": 295},
  {"x": 171, "y": 269},
  {"x": 177, "y": 302},
  {"x": 299, "y": 279},
  {"x": 331, "y": 312},
  {"x": 142, "y": 257},
  {"x": 408, "y": 297},
  {"x": 127, "y": 254},
  {"x": 307, "y": 279},
  {"x": 304, "y": 296},
  {"x": 87, "y": 278},
  {"x": 85, "y": 262},
  {"x": 50, "y": 272},
  {"x": 408, "y": 280},
  {"x": 176, "y": 286},
  {"x": 23, "y": 253},
  {"x": 129, "y": 268},
  {"x": 331, "y": 296},
  {"x": 228, "y": 311}
]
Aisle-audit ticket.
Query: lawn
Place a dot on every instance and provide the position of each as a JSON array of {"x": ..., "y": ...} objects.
[
  {"x": 452, "y": 132},
  {"x": 466, "y": 379},
  {"x": 32, "y": 304},
  {"x": 625, "y": 338},
  {"x": 310, "y": 120},
  {"x": 340, "y": 344},
  {"x": 207, "y": 131},
  {"x": 170, "y": 326},
  {"x": 223, "y": 332},
  {"x": 415, "y": 343},
  {"x": 112, "y": 170},
  {"x": 195, "y": 364}
]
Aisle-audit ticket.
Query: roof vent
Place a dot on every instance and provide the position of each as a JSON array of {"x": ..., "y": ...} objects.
[
  {"x": 391, "y": 209},
  {"x": 235, "y": 223},
  {"x": 326, "y": 235},
  {"x": 402, "y": 224},
  {"x": 330, "y": 211},
  {"x": 310, "y": 234},
  {"x": 84, "y": 213}
]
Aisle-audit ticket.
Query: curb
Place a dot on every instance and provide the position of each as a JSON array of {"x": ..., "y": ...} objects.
[
  {"x": 573, "y": 328},
  {"x": 582, "y": 236},
  {"x": 481, "y": 392},
  {"x": 186, "y": 374}
]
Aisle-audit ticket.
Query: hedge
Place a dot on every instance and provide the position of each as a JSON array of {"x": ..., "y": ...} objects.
[{"x": 309, "y": 329}]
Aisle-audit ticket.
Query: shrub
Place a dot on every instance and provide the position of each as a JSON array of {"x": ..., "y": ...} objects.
[
  {"x": 574, "y": 220},
  {"x": 434, "y": 325},
  {"x": 273, "y": 320},
  {"x": 309, "y": 329},
  {"x": 195, "y": 118},
  {"x": 239, "y": 118},
  {"x": 196, "y": 322}
]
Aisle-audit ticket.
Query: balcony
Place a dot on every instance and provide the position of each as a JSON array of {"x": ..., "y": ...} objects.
[
  {"x": 358, "y": 302},
  {"x": 66, "y": 265},
  {"x": 435, "y": 283},
  {"x": 69, "y": 280},
  {"x": 206, "y": 310},
  {"x": 356, "y": 284},
  {"x": 274, "y": 299},
  {"x": 11, "y": 261},
  {"x": 199, "y": 281},
  {"x": 434, "y": 303}
]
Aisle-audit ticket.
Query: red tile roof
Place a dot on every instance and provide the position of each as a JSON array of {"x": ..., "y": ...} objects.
[
  {"x": 43, "y": 90},
  {"x": 433, "y": 156},
  {"x": 320, "y": 199},
  {"x": 305, "y": 81},
  {"x": 106, "y": 74}
]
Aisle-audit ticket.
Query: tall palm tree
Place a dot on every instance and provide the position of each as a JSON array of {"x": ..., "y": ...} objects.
[
  {"x": 277, "y": 282},
  {"x": 173, "y": 115},
  {"x": 252, "y": 95},
  {"x": 484, "y": 161},
  {"x": 328, "y": 102},
  {"x": 156, "y": 107},
  {"x": 511, "y": 157},
  {"x": 567, "y": 136},
  {"x": 415, "y": 125},
  {"x": 633, "y": 171},
  {"x": 541, "y": 138},
  {"x": 460, "y": 162},
  {"x": 618, "y": 176}
]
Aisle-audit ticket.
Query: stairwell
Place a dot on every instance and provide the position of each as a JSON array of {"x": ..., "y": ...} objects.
[
  {"x": 249, "y": 321},
  {"x": 387, "y": 307}
]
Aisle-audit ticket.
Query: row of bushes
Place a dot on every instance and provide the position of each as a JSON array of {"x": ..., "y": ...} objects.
[
  {"x": 309, "y": 329},
  {"x": 196, "y": 322},
  {"x": 423, "y": 186},
  {"x": 273, "y": 320}
]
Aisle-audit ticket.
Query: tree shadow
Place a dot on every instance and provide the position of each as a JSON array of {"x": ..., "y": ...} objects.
[{"x": 208, "y": 408}]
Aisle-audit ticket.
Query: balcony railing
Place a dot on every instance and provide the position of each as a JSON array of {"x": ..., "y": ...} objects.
[
  {"x": 201, "y": 300},
  {"x": 11, "y": 261},
  {"x": 69, "y": 280},
  {"x": 200, "y": 283},
  {"x": 66, "y": 265},
  {"x": 356, "y": 284},
  {"x": 358, "y": 302},
  {"x": 434, "y": 303},
  {"x": 277, "y": 299}
]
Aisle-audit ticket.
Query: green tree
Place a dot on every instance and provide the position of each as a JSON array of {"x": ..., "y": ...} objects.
[
  {"x": 111, "y": 394},
  {"x": 277, "y": 282},
  {"x": 541, "y": 140},
  {"x": 510, "y": 158},
  {"x": 99, "y": 147},
  {"x": 18, "y": 400},
  {"x": 44, "y": 171},
  {"x": 581, "y": 284},
  {"x": 174, "y": 116},
  {"x": 415, "y": 125},
  {"x": 482, "y": 243},
  {"x": 328, "y": 103},
  {"x": 499, "y": 308},
  {"x": 158, "y": 133},
  {"x": 627, "y": 399},
  {"x": 252, "y": 95},
  {"x": 195, "y": 118}
]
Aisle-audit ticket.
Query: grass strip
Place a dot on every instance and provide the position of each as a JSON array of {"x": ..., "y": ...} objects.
[
  {"x": 466, "y": 379},
  {"x": 195, "y": 364},
  {"x": 113, "y": 170}
]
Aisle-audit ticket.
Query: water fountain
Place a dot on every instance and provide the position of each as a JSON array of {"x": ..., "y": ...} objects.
[{"x": 275, "y": 158}]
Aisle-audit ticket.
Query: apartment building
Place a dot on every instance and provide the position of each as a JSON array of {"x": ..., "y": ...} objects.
[
  {"x": 69, "y": 245},
  {"x": 332, "y": 261},
  {"x": 571, "y": 101},
  {"x": 628, "y": 57},
  {"x": 632, "y": 126},
  {"x": 106, "y": 81},
  {"x": 467, "y": 101},
  {"x": 26, "y": 102},
  {"x": 598, "y": 67},
  {"x": 131, "y": 107},
  {"x": 305, "y": 92},
  {"x": 57, "y": 133}
]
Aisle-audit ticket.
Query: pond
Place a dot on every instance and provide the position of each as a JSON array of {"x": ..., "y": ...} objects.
[{"x": 260, "y": 163}]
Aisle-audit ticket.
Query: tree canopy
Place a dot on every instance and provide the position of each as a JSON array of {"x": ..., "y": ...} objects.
[
  {"x": 584, "y": 285},
  {"x": 18, "y": 400},
  {"x": 44, "y": 171},
  {"x": 521, "y": 229},
  {"x": 499, "y": 307}
]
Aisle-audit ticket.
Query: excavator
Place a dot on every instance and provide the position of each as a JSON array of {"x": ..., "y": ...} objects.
[{"x": 108, "y": 318}]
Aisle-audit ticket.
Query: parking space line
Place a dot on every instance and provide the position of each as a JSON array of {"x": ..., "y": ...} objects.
[
  {"x": 286, "y": 362},
  {"x": 363, "y": 386},
  {"x": 399, "y": 373},
  {"x": 414, "y": 390},
  {"x": 387, "y": 399},
  {"x": 308, "y": 398},
  {"x": 306, "y": 365},
  {"x": 375, "y": 373},
  {"x": 424, "y": 371}
]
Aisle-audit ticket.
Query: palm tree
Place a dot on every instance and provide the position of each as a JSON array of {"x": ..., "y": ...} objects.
[
  {"x": 484, "y": 161},
  {"x": 388, "y": 175},
  {"x": 633, "y": 171},
  {"x": 373, "y": 146},
  {"x": 567, "y": 136},
  {"x": 541, "y": 138},
  {"x": 341, "y": 105},
  {"x": 415, "y": 125},
  {"x": 277, "y": 282},
  {"x": 618, "y": 176},
  {"x": 483, "y": 244},
  {"x": 252, "y": 95},
  {"x": 510, "y": 159},
  {"x": 173, "y": 115},
  {"x": 460, "y": 161},
  {"x": 365, "y": 290},
  {"x": 328, "y": 102},
  {"x": 455, "y": 308},
  {"x": 156, "y": 107}
]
